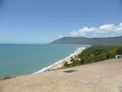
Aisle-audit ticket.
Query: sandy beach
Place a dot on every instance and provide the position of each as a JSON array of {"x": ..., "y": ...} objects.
[
  {"x": 105, "y": 76},
  {"x": 59, "y": 64}
]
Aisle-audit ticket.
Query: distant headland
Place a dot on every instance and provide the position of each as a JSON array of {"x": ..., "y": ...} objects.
[{"x": 89, "y": 41}]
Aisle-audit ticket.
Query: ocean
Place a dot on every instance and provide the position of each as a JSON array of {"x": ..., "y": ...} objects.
[{"x": 22, "y": 59}]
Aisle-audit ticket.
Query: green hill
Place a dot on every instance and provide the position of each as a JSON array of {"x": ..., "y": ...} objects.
[{"x": 89, "y": 41}]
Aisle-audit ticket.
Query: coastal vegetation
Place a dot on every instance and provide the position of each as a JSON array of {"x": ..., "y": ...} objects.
[
  {"x": 7, "y": 77},
  {"x": 95, "y": 54}
]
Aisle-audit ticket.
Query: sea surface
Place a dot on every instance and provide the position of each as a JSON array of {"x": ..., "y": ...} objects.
[{"x": 22, "y": 59}]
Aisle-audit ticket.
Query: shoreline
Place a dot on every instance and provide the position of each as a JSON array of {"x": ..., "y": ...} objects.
[{"x": 59, "y": 64}]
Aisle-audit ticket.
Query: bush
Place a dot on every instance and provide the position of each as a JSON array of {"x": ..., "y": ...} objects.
[
  {"x": 95, "y": 54},
  {"x": 119, "y": 50},
  {"x": 7, "y": 77}
]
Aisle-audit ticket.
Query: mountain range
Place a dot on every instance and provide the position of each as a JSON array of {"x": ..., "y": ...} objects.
[{"x": 89, "y": 41}]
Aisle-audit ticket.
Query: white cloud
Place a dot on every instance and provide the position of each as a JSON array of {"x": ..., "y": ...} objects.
[
  {"x": 120, "y": 24},
  {"x": 60, "y": 36},
  {"x": 106, "y": 27},
  {"x": 106, "y": 30},
  {"x": 87, "y": 29},
  {"x": 75, "y": 33}
]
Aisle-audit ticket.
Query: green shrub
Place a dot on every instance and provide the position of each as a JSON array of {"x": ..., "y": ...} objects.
[
  {"x": 119, "y": 50},
  {"x": 7, "y": 77},
  {"x": 96, "y": 53}
]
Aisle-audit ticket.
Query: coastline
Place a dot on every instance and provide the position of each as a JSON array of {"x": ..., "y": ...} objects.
[{"x": 61, "y": 62}]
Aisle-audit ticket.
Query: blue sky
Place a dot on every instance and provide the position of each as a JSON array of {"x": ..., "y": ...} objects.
[{"x": 42, "y": 21}]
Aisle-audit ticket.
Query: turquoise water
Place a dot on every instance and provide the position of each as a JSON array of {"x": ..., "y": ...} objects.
[{"x": 26, "y": 59}]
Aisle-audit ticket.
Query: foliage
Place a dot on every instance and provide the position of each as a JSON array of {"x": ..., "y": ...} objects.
[
  {"x": 7, "y": 77},
  {"x": 95, "y": 54}
]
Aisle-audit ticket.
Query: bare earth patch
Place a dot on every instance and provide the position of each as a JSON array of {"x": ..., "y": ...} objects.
[{"x": 105, "y": 76}]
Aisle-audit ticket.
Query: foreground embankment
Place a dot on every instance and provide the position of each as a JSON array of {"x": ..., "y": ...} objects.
[{"x": 105, "y": 76}]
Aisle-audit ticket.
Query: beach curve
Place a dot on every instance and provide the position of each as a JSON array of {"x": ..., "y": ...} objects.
[{"x": 59, "y": 64}]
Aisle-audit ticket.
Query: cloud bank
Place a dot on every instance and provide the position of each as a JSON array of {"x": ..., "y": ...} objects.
[{"x": 107, "y": 30}]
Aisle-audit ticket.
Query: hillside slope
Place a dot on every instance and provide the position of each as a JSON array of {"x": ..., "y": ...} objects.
[{"x": 89, "y": 41}]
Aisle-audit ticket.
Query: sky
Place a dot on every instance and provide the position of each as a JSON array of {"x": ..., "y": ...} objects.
[{"x": 42, "y": 21}]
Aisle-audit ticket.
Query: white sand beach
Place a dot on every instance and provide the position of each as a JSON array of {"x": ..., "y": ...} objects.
[
  {"x": 104, "y": 76},
  {"x": 60, "y": 63}
]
